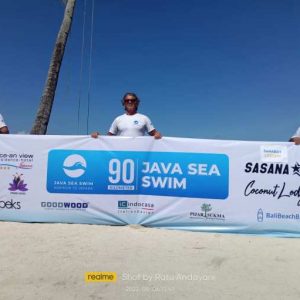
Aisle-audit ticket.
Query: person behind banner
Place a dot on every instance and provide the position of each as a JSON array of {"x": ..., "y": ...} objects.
[
  {"x": 296, "y": 137},
  {"x": 3, "y": 126},
  {"x": 131, "y": 123}
]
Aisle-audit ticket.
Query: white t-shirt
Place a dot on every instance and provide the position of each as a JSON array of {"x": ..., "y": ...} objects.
[
  {"x": 131, "y": 125},
  {"x": 2, "y": 123},
  {"x": 297, "y": 133}
]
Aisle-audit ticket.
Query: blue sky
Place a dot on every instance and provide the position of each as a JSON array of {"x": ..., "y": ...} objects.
[{"x": 213, "y": 69}]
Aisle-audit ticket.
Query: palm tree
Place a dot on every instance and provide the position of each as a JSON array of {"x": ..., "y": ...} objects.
[
  {"x": 206, "y": 208},
  {"x": 44, "y": 111}
]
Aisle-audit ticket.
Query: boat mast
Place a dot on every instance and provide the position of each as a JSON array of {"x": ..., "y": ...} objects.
[{"x": 43, "y": 115}]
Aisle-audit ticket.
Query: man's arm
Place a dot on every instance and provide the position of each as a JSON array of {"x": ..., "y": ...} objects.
[
  {"x": 295, "y": 139},
  {"x": 95, "y": 134},
  {"x": 157, "y": 135},
  {"x": 4, "y": 130},
  {"x": 151, "y": 130}
]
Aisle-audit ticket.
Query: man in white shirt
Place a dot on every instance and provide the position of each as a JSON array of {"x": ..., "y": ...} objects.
[
  {"x": 131, "y": 123},
  {"x": 296, "y": 137},
  {"x": 3, "y": 126}
]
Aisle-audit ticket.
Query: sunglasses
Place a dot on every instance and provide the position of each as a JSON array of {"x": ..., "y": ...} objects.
[{"x": 129, "y": 100}]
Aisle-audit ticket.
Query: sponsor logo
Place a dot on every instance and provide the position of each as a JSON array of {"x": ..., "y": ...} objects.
[
  {"x": 21, "y": 165},
  {"x": 277, "y": 191},
  {"x": 206, "y": 214},
  {"x": 273, "y": 153},
  {"x": 136, "y": 122},
  {"x": 261, "y": 216},
  {"x": 280, "y": 190},
  {"x": 18, "y": 185},
  {"x": 134, "y": 207},
  {"x": 74, "y": 166},
  {"x": 67, "y": 173},
  {"x": 65, "y": 205},
  {"x": 272, "y": 168},
  {"x": 296, "y": 169},
  {"x": 267, "y": 168},
  {"x": 10, "y": 204},
  {"x": 16, "y": 160}
]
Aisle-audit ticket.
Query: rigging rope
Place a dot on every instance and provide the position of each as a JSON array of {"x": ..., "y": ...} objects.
[
  {"x": 90, "y": 68},
  {"x": 81, "y": 66}
]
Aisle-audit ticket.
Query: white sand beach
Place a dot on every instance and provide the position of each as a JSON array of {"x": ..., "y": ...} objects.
[{"x": 49, "y": 261}]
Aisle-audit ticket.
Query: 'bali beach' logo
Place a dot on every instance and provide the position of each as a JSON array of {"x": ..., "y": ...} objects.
[
  {"x": 74, "y": 166},
  {"x": 260, "y": 215},
  {"x": 18, "y": 184}
]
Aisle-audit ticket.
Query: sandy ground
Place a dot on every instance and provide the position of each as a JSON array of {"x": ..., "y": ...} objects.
[{"x": 49, "y": 261}]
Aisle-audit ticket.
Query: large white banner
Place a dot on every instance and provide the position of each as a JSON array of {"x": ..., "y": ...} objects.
[{"x": 207, "y": 185}]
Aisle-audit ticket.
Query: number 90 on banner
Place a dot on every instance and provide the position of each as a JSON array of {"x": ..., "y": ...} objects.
[{"x": 121, "y": 171}]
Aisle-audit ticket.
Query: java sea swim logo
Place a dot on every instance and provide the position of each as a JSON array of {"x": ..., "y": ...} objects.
[
  {"x": 66, "y": 172},
  {"x": 74, "y": 166},
  {"x": 190, "y": 175}
]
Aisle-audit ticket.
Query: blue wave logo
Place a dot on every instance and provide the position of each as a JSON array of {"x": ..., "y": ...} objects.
[{"x": 74, "y": 166}]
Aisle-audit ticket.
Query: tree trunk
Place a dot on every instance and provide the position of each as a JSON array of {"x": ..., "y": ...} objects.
[{"x": 44, "y": 111}]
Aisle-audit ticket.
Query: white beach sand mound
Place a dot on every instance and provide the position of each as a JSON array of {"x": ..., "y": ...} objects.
[{"x": 49, "y": 261}]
